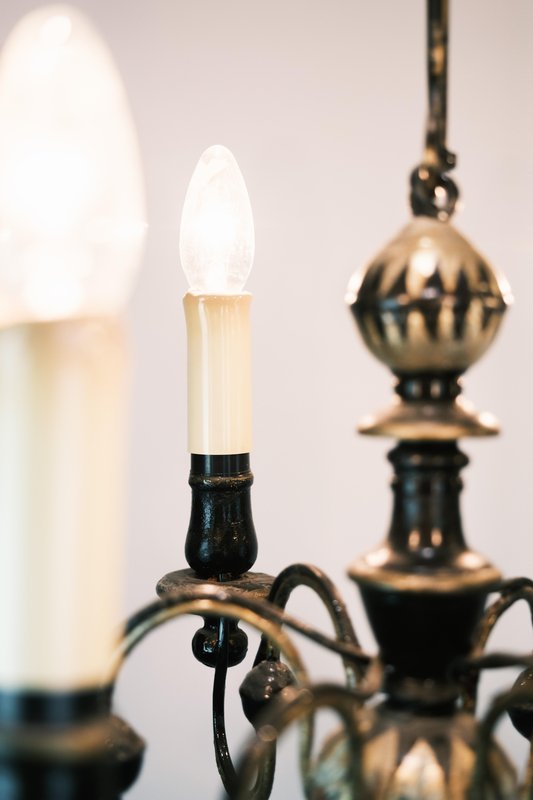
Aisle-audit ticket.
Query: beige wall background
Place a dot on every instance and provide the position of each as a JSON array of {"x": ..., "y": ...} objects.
[{"x": 323, "y": 104}]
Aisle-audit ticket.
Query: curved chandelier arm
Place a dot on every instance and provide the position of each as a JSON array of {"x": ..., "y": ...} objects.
[
  {"x": 209, "y": 600},
  {"x": 308, "y": 575},
  {"x": 510, "y": 592},
  {"x": 498, "y": 661},
  {"x": 222, "y": 753},
  {"x": 265, "y": 775},
  {"x": 296, "y": 704},
  {"x": 503, "y": 702},
  {"x": 265, "y": 617},
  {"x": 312, "y": 577}
]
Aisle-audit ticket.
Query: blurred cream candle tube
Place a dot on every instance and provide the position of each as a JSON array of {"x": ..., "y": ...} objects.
[
  {"x": 216, "y": 248},
  {"x": 71, "y": 231},
  {"x": 62, "y": 412}
]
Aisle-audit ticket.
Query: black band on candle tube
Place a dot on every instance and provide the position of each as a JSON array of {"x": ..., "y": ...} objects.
[
  {"x": 98, "y": 759},
  {"x": 25, "y": 707},
  {"x": 206, "y": 465}
]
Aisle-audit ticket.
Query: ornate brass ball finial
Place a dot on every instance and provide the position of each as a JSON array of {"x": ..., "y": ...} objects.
[
  {"x": 429, "y": 302},
  {"x": 429, "y": 305}
]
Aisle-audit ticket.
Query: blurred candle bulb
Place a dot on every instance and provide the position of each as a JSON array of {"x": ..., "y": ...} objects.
[
  {"x": 71, "y": 230},
  {"x": 217, "y": 228},
  {"x": 71, "y": 191}
]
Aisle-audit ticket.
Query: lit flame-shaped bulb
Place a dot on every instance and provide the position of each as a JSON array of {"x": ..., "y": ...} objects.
[
  {"x": 71, "y": 192},
  {"x": 217, "y": 248},
  {"x": 217, "y": 227}
]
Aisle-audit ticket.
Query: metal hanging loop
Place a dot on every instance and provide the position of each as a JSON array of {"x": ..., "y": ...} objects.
[{"x": 433, "y": 192}]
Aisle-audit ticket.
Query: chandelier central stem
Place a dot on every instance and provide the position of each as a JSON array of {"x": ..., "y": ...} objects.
[{"x": 437, "y": 154}]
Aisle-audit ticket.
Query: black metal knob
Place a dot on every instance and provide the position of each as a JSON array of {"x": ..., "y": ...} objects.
[
  {"x": 261, "y": 684},
  {"x": 206, "y": 643},
  {"x": 521, "y": 714}
]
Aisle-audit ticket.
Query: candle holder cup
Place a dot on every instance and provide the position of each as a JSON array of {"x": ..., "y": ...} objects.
[{"x": 65, "y": 746}]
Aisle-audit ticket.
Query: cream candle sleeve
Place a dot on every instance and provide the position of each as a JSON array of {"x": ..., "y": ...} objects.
[
  {"x": 219, "y": 373},
  {"x": 62, "y": 410}
]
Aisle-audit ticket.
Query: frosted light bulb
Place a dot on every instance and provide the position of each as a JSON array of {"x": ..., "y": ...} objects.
[
  {"x": 71, "y": 191},
  {"x": 217, "y": 227}
]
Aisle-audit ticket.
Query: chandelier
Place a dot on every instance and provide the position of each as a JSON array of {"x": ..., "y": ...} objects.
[{"x": 427, "y": 306}]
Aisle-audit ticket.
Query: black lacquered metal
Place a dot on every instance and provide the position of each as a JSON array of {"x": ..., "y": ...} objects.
[
  {"x": 441, "y": 387},
  {"x": 437, "y": 67},
  {"x": 433, "y": 192},
  {"x": 426, "y": 530},
  {"x": 206, "y": 643},
  {"x": 221, "y": 465},
  {"x": 95, "y": 759},
  {"x": 34, "y": 782},
  {"x": 425, "y": 600},
  {"x": 22, "y": 707},
  {"x": 221, "y": 541}
]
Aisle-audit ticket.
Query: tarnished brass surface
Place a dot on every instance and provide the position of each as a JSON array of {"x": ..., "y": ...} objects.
[
  {"x": 429, "y": 302},
  {"x": 312, "y": 577},
  {"x": 410, "y": 757},
  {"x": 256, "y": 585},
  {"x": 478, "y": 575},
  {"x": 430, "y": 421}
]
